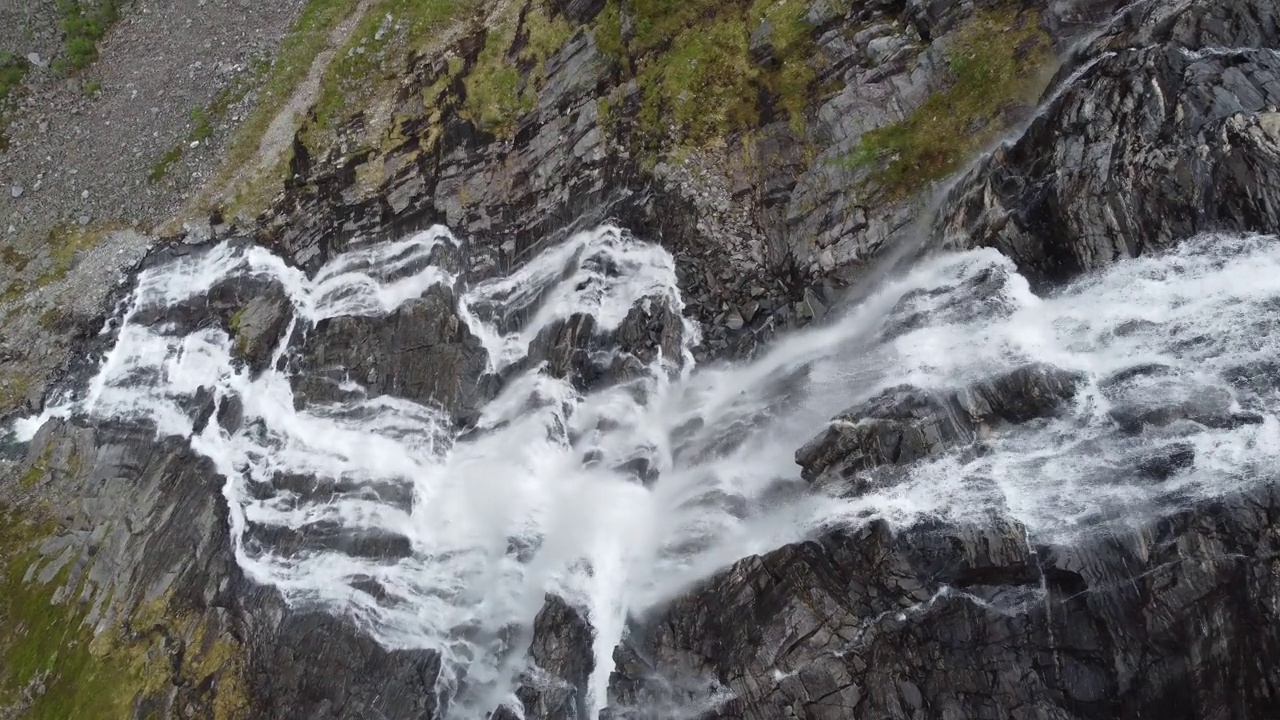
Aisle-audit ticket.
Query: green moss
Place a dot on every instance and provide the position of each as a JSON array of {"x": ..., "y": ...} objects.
[
  {"x": 996, "y": 61},
  {"x": 46, "y": 643},
  {"x": 53, "y": 667},
  {"x": 703, "y": 86},
  {"x": 38, "y": 470},
  {"x": 375, "y": 53},
  {"x": 792, "y": 79},
  {"x": 14, "y": 258},
  {"x": 545, "y": 35},
  {"x": 608, "y": 35},
  {"x": 83, "y": 25},
  {"x": 13, "y": 70},
  {"x": 92, "y": 88},
  {"x": 50, "y": 318},
  {"x": 235, "y": 325},
  {"x": 65, "y": 242},
  {"x": 15, "y": 290},
  {"x": 511, "y": 69},
  {"x": 493, "y": 86},
  {"x": 161, "y": 168},
  {"x": 201, "y": 125}
]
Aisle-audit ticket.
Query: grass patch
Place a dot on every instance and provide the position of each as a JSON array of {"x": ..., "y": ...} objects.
[
  {"x": 14, "y": 388},
  {"x": 511, "y": 69},
  {"x": 65, "y": 242},
  {"x": 83, "y": 25},
  {"x": 305, "y": 40},
  {"x": 53, "y": 667},
  {"x": 703, "y": 86},
  {"x": 13, "y": 70},
  {"x": 201, "y": 125},
  {"x": 203, "y": 119},
  {"x": 692, "y": 62},
  {"x": 161, "y": 168},
  {"x": 996, "y": 61},
  {"x": 375, "y": 53},
  {"x": 14, "y": 258}
]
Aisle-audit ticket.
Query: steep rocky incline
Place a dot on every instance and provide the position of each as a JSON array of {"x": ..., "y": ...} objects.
[
  {"x": 1163, "y": 127},
  {"x": 765, "y": 212},
  {"x": 1171, "y": 117},
  {"x": 120, "y": 586}
]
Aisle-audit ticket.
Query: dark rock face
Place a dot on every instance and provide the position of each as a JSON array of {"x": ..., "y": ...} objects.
[
  {"x": 974, "y": 623},
  {"x": 562, "y": 655},
  {"x": 422, "y": 352},
  {"x": 150, "y": 526},
  {"x": 259, "y": 326},
  {"x": 318, "y": 666},
  {"x": 904, "y": 424},
  {"x": 1174, "y": 134},
  {"x": 575, "y": 348}
]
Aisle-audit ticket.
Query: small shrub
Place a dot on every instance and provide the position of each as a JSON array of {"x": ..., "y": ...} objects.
[{"x": 83, "y": 25}]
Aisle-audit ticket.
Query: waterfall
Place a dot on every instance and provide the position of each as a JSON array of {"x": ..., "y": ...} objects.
[{"x": 539, "y": 494}]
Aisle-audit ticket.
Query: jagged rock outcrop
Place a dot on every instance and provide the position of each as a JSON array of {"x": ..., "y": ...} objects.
[
  {"x": 1172, "y": 120},
  {"x": 561, "y": 653},
  {"x": 576, "y": 350},
  {"x": 422, "y": 352},
  {"x": 904, "y": 424},
  {"x": 1174, "y": 133},
  {"x": 963, "y": 622}
]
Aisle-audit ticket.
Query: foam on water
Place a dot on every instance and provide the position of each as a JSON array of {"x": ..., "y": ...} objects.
[{"x": 529, "y": 504}]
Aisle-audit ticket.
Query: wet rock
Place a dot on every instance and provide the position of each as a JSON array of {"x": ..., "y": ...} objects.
[
  {"x": 329, "y": 669},
  {"x": 327, "y": 535},
  {"x": 579, "y": 11},
  {"x": 905, "y": 424},
  {"x": 576, "y": 350},
  {"x": 231, "y": 414},
  {"x": 984, "y": 294},
  {"x": 259, "y": 326},
  {"x": 863, "y": 622},
  {"x": 562, "y": 653},
  {"x": 1164, "y": 463},
  {"x": 422, "y": 352}
]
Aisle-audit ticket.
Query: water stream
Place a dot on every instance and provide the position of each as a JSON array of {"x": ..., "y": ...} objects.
[{"x": 529, "y": 502}]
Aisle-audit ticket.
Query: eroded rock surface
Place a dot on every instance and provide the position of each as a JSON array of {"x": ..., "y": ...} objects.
[
  {"x": 1164, "y": 126},
  {"x": 1169, "y": 130}
]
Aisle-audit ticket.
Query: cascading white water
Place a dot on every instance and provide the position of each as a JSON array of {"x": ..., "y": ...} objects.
[{"x": 512, "y": 511}]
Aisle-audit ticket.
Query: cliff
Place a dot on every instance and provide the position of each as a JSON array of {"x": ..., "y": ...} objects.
[{"x": 784, "y": 157}]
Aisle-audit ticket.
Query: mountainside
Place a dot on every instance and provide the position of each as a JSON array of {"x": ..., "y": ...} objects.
[{"x": 641, "y": 359}]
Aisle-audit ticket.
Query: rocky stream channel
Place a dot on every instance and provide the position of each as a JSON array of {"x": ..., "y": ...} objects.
[{"x": 534, "y": 428}]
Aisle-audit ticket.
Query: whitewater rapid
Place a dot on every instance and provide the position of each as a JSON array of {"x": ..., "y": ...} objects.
[{"x": 527, "y": 502}]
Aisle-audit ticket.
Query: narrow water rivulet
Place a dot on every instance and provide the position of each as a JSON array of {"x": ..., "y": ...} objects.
[{"x": 619, "y": 494}]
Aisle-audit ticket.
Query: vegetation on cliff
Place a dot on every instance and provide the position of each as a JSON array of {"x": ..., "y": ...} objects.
[
  {"x": 83, "y": 25},
  {"x": 996, "y": 60},
  {"x": 695, "y": 68}
]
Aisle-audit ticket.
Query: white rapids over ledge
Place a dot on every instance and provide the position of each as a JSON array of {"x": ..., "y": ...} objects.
[{"x": 513, "y": 512}]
